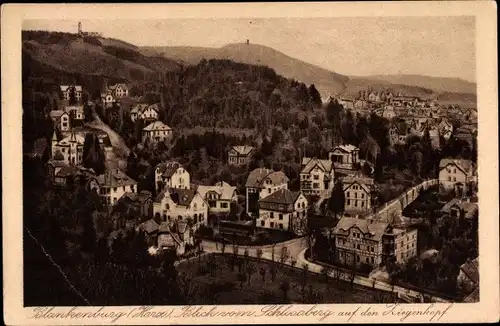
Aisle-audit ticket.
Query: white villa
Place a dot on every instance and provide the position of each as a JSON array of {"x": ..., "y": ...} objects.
[
  {"x": 317, "y": 177},
  {"x": 171, "y": 175},
  {"x": 157, "y": 132},
  {"x": 283, "y": 210}
]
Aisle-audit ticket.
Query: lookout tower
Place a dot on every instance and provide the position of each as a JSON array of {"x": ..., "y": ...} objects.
[
  {"x": 80, "y": 31},
  {"x": 248, "y": 41}
]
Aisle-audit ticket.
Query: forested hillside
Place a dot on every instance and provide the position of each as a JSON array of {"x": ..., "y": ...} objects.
[{"x": 226, "y": 94}]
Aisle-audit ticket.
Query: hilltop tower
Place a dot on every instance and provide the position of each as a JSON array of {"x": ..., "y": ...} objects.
[
  {"x": 248, "y": 41},
  {"x": 80, "y": 31}
]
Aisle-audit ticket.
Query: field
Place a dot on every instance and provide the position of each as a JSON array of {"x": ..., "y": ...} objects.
[{"x": 223, "y": 284}]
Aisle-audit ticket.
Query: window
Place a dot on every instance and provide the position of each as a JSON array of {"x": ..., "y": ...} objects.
[
  {"x": 355, "y": 203},
  {"x": 357, "y": 258},
  {"x": 362, "y": 196},
  {"x": 123, "y": 188},
  {"x": 281, "y": 216},
  {"x": 115, "y": 189},
  {"x": 281, "y": 226},
  {"x": 362, "y": 204},
  {"x": 315, "y": 185},
  {"x": 262, "y": 223},
  {"x": 167, "y": 206},
  {"x": 272, "y": 215},
  {"x": 223, "y": 205},
  {"x": 179, "y": 218},
  {"x": 269, "y": 190},
  {"x": 348, "y": 202},
  {"x": 271, "y": 224},
  {"x": 367, "y": 260},
  {"x": 316, "y": 177},
  {"x": 195, "y": 206},
  {"x": 164, "y": 217},
  {"x": 358, "y": 247},
  {"x": 373, "y": 260},
  {"x": 449, "y": 178},
  {"x": 348, "y": 195}
]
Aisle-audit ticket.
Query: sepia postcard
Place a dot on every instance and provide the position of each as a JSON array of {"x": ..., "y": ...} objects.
[{"x": 247, "y": 163}]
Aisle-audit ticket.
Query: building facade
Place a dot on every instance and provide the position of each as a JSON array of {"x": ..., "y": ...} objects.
[
  {"x": 113, "y": 184},
  {"x": 61, "y": 120},
  {"x": 66, "y": 91},
  {"x": 372, "y": 242},
  {"x": 283, "y": 210},
  {"x": 240, "y": 155},
  {"x": 157, "y": 132},
  {"x": 358, "y": 193},
  {"x": 174, "y": 204},
  {"x": 69, "y": 149},
  {"x": 219, "y": 197},
  {"x": 317, "y": 177},
  {"x": 260, "y": 183},
  {"x": 456, "y": 174},
  {"x": 345, "y": 157},
  {"x": 171, "y": 175}
]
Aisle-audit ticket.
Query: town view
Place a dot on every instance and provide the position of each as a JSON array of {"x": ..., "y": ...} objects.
[{"x": 185, "y": 175}]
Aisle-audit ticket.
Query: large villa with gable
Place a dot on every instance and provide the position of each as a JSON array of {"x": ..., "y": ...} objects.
[
  {"x": 260, "y": 183},
  {"x": 157, "y": 132},
  {"x": 240, "y": 155},
  {"x": 283, "y": 210},
  {"x": 344, "y": 157},
  {"x": 317, "y": 177}
]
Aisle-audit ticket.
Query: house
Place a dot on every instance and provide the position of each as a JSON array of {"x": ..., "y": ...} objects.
[
  {"x": 65, "y": 175},
  {"x": 457, "y": 175},
  {"x": 174, "y": 204},
  {"x": 347, "y": 103},
  {"x": 467, "y": 134},
  {"x": 461, "y": 208},
  {"x": 76, "y": 112},
  {"x": 119, "y": 90},
  {"x": 345, "y": 157},
  {"x": 133, "y": 208},
  {"x": 157, "y": 132},
  {"x": 61, "y": 120},
  {"x": 69, "y": 149},
  {"x": 240, "y": 155},
  {"x": 175, "y": 236},
  {"x": 145, "y": 112},
  {"x": 113, "y": 184},
  {"x": 360, "y": 104},
  {"x": 468, "y": 276},
  {"x": 108, "y": 99},
  {"x": 358, "y": 193},
  {"x": 66, "y": 91},
  {"x": 260, "y": 183},
  {"x": 150, "y": 230},
  {"x": 445, "y": 128},
  {"x": 53, "y": 167},
  {"x": 283, "y": 210},
  {"x": 374, "y": 97},
  {"x": 317, "y": 177},
  {"x": 171, "y": 175},
  {"x": 398, "y": 133},
  {"x": 388, "y": 112},
  {"x": 218, "y": 197},
  {"x": 360, "y": 241}
]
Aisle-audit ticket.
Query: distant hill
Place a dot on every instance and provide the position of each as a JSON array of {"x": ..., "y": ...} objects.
[
  {"x": 70, "y": 54},
  {"x": 356, "y": 84},
  {"x": 436, "y": 84},
  {"x": 327, "y": 82}
]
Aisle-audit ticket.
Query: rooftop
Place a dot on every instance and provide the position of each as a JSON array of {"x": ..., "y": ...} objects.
[{"x": 282, "y": 196}]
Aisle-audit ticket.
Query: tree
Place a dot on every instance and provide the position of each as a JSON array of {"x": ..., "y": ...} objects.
[
  {"x": 250, "y": 269},
  {"x": 285, "y": 287},
  {"x": 241, "y": 278},
  {"x": 72, "y": 95},
  {"x": 262, "y": 272},
  {"x": 93, "y": 154},
  {"x": 259, "y": 253},
  {"x": 333, "y": 115},
  {"x": 336, "y": 202},
  {"x": 314, "y": 96},
  {"x": 89, "y": 236}
]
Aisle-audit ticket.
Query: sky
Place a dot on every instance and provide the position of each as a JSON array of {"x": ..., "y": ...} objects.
[{"x": 357, "y": 46}]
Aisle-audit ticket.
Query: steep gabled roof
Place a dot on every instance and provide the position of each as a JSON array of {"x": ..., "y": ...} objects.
[
  {"x": 464, "y": 165},
  {"x": 364, "y": 182},
  {"x": 257, "y": 176},
  {"x": 150, "y": 226},
  {"x": 243, "y": 149},
  {"x": 181, "y": 197},
  {"x": 282, "y": 196},
  {"x": 157, "y": 125},
  {"x": 346, "y": 148},
  {"x": 115, "y": 178},
  {"x": 471, "y": 269},
  {"x": 375, "y": 229},
  {"x": 225, "y": 191},
  {"x": 168, "y": 169},
  {"x": 309, "y": 164}
]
